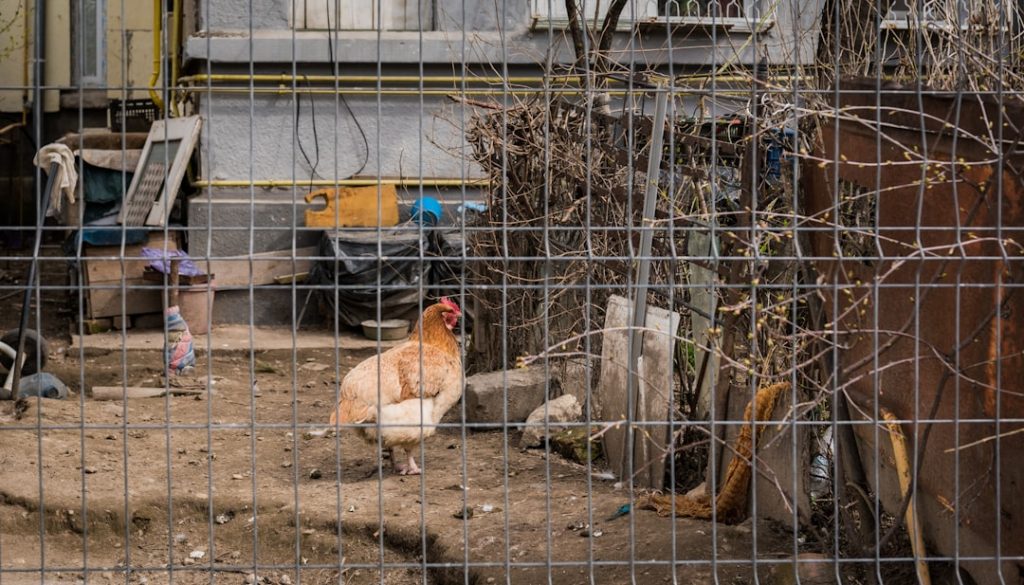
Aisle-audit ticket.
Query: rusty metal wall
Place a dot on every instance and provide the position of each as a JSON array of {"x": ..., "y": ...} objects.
[{"x": 933, "y": 336}]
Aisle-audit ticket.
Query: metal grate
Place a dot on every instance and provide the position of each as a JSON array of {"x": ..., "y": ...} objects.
[
  {"x": 138, "y": 207},
  {"x": 738, "y": 288}
]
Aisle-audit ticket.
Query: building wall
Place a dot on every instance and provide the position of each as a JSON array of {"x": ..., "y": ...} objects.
[
  {"x": 298, "y": 136},
  {"x": 128, "y": 45},
  {"x": 408, "y": 136},
  {"x": 16, "y": 49},
  {"x": 252, "y": 129},
  {"x": 130, "y": 48}
]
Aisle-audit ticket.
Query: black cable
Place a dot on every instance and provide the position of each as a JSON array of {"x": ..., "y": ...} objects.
[
  {"x": 334, "y": 67},
  {"x": 316, "y": 138}
]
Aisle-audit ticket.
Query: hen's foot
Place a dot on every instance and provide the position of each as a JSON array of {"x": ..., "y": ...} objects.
[{"x": 411, "y": 468}]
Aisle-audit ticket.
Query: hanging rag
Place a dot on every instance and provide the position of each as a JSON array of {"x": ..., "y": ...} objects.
[
  {"x": 67, "y": 177},
  {"x": 181, "y": 356}
]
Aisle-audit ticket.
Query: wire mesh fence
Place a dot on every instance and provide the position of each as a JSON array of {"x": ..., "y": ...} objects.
[{"x": 554, "y": 291}]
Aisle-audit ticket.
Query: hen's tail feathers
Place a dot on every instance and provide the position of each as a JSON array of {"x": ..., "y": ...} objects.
[{"x": 350, "y": 412}]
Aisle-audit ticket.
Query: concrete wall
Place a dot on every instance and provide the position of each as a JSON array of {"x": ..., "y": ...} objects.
[
  {"x": 238, "y": 14},
  {"x": 263, "y": 137}
]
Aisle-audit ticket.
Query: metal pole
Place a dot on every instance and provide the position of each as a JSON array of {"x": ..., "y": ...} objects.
[
  {"x": 26, "y": 307},
  {"x": 644, "y": 272}
]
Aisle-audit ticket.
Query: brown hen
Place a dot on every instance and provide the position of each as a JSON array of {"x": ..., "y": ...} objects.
[{"x": 406, "y": 396}]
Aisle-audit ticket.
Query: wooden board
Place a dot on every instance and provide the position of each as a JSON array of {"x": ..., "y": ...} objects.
[
  {"x": 104, "y": 263},
  {"x": 654, "y": 396},
  {"x": 610, "y": 396},
  {"x": 120, "y": 392},
  {"x": 703, "y": 297},
  {"x": 104, "y": 268},
  {"x": 266, "y": 267},
  {"x": 776, "y": 468},
  {"x": 104, "y": 298}
]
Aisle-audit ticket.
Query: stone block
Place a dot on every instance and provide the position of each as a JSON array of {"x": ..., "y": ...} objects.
[{"x": 527, "y": 388}]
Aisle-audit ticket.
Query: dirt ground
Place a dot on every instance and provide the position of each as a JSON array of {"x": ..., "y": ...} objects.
[{"x": 238, "y": 482}]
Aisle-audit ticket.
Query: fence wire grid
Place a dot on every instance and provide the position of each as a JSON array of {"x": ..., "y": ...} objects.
[{"x": 558, "y": 291}]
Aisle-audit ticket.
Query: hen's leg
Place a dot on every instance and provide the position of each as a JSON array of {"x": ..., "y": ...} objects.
[
  {"x": 396, "y": 463},
  {"x": 411, "y": 468}
]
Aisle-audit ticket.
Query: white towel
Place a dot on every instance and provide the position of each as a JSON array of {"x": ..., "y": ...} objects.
[{"x": 67, "y": 176}]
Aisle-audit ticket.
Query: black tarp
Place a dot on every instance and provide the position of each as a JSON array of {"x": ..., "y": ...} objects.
[
  {"x": 358, "y": 263},
  {"x": 410, "y": 258}
]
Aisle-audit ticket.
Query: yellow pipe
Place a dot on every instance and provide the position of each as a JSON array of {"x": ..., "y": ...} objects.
[
  {"x": 24, "y": 71},
  {"x": 285, "y": 78},
  {"x": 157, "y": 31},
  {"x": 899, "y": 452},
  {"x": 410, "y": 182},
  {"x": 175, "y": 41},
  {"x": 452, "y": 79},
  {"x": 416, "y": 92}
]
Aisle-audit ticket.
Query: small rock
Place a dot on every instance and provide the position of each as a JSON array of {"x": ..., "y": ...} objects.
[
  {"x": 588, "y": 532},
  {"x": 250, "y": 578},
  {"x": 487, "y": 508},
  {"x": 224, "y": 518},
  {"x": 315, "y": 473},
  {"x": 809, "y": 569},
  {"x": 188, "y": 561},
  {"x": 563, "y": 409},
  {"x": 352, "y": 508},
  {"x": 285, "y": 580},
  {"x": 286, "y": 464},
  {"x": 575, "y": 445},
  {"x": 90, "y": 469},
  {"x": 111, "y": 437},
  {"x": 237, "y": 476},
  {"x": 197, "y": 554}
]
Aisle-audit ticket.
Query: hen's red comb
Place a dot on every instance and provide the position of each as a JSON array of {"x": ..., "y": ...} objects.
[{"x": 450, "y": 303}]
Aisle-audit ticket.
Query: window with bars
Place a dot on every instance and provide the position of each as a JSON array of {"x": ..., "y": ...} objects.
[
  {"x": 943, "y": 14},
  {"x": 88, "y": 51},
  {"x": 686, "y": 12},
  {"x": 365, "y": 15}
]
